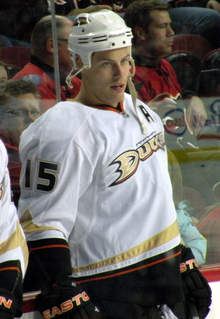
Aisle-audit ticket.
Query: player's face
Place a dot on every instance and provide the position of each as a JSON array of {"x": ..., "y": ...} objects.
[
  {"x": 106, "y": 80},
  {"x": 19, "y": 116},
  {"x": 159, "y": 38}
]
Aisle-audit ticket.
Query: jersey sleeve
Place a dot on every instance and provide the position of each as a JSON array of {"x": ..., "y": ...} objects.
[
  {"x": 13, "y": 249},
  {"x": 44, "y": 268},
  {"x": 52, "y": 178}
]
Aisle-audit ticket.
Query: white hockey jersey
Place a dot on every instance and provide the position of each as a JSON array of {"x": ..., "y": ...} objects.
[
  {"x": 12, "y": 240},
  {"x": 90, "y": 176}
]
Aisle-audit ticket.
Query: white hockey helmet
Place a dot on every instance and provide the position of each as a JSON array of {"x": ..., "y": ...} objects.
[{"x": 97, "y": 31}]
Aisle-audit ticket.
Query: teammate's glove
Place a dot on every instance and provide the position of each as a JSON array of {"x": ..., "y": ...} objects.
[
  {"x": 8, "y": 305},
  {"x": 5, "y": 315},
  {"x": 195, "y": 285},
  {"x": 66, "y": 301}
]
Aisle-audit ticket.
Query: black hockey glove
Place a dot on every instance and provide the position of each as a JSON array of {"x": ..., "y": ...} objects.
[
  {"x": 8, "y": 305},
  {"x": 10, "y": 289},
  {"x": 66, "y": 301},
  {"x": 5, "y": 315},
  {"x": 196, "y": 288},
  {"x": 60, "y": 297}
]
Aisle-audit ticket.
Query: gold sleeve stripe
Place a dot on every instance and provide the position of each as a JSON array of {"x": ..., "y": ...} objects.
[
  {"x": 29, "y": 226},
  {"x": 16, "y": 240},
  {"x": 158, "y": 240},
  {"x": 130, "y": 270}
]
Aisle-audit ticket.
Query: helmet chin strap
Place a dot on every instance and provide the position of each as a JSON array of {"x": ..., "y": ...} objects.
[
  {"x": 134, "y": 98},
  {"x": 130, "y": 86},
  {"x": 70, "y": 76}
]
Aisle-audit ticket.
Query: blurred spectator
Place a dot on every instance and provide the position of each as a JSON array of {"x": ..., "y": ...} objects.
[
  {"x": 72, "y": 8},
  {"x": 4, "y": 72},
  {"x": 183, "y": 113},
  {"x": 213, "y": 4},
  {"x": 190, "y": 235},
  {"x": 193, "y": 17},
  {"x": 209, "y": 226},
  {"x": 197, "y": 20},
  {"x": 9, "y": 42},
  {"x": 18, "y": 17},
  {"x": 19, "y": 107},
  {"x": 120, "y": 5},
  {"x": 155, "y": 78},
  {"x": 40, "y": 70}
]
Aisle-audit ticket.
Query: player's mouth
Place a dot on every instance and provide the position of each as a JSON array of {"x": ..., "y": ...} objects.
[{"x": 118, "y": 87}]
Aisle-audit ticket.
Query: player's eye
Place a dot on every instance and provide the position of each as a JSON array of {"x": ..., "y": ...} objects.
[
  {"x": 107, "y": 63},
  {"x": 124, "y": 61}
]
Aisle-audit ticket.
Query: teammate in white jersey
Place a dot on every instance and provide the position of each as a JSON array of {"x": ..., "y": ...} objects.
[
  {"x": 13, "y": 248},
  {"x": 96, "y": 200}
]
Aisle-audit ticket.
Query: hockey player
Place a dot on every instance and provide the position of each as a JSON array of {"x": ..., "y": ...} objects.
[
  {"x": 13, "y": 248},
  {"x": 96, "y": 200}
]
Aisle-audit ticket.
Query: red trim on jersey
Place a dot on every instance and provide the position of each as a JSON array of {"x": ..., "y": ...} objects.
[
  {"x": 49, "y": 246},
  {"x": 118, "y": 109},
  {"x": 10, "y": 268}
]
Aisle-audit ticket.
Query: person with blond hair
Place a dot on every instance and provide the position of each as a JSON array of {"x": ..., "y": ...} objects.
[{"x": 96, "y": 198}]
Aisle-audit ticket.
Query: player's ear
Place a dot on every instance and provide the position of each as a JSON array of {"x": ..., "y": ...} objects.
[
  {"x": 49, "y": 45},
  {"x": 140, "y": 33},
  {"x": 79, "y": 62}
]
